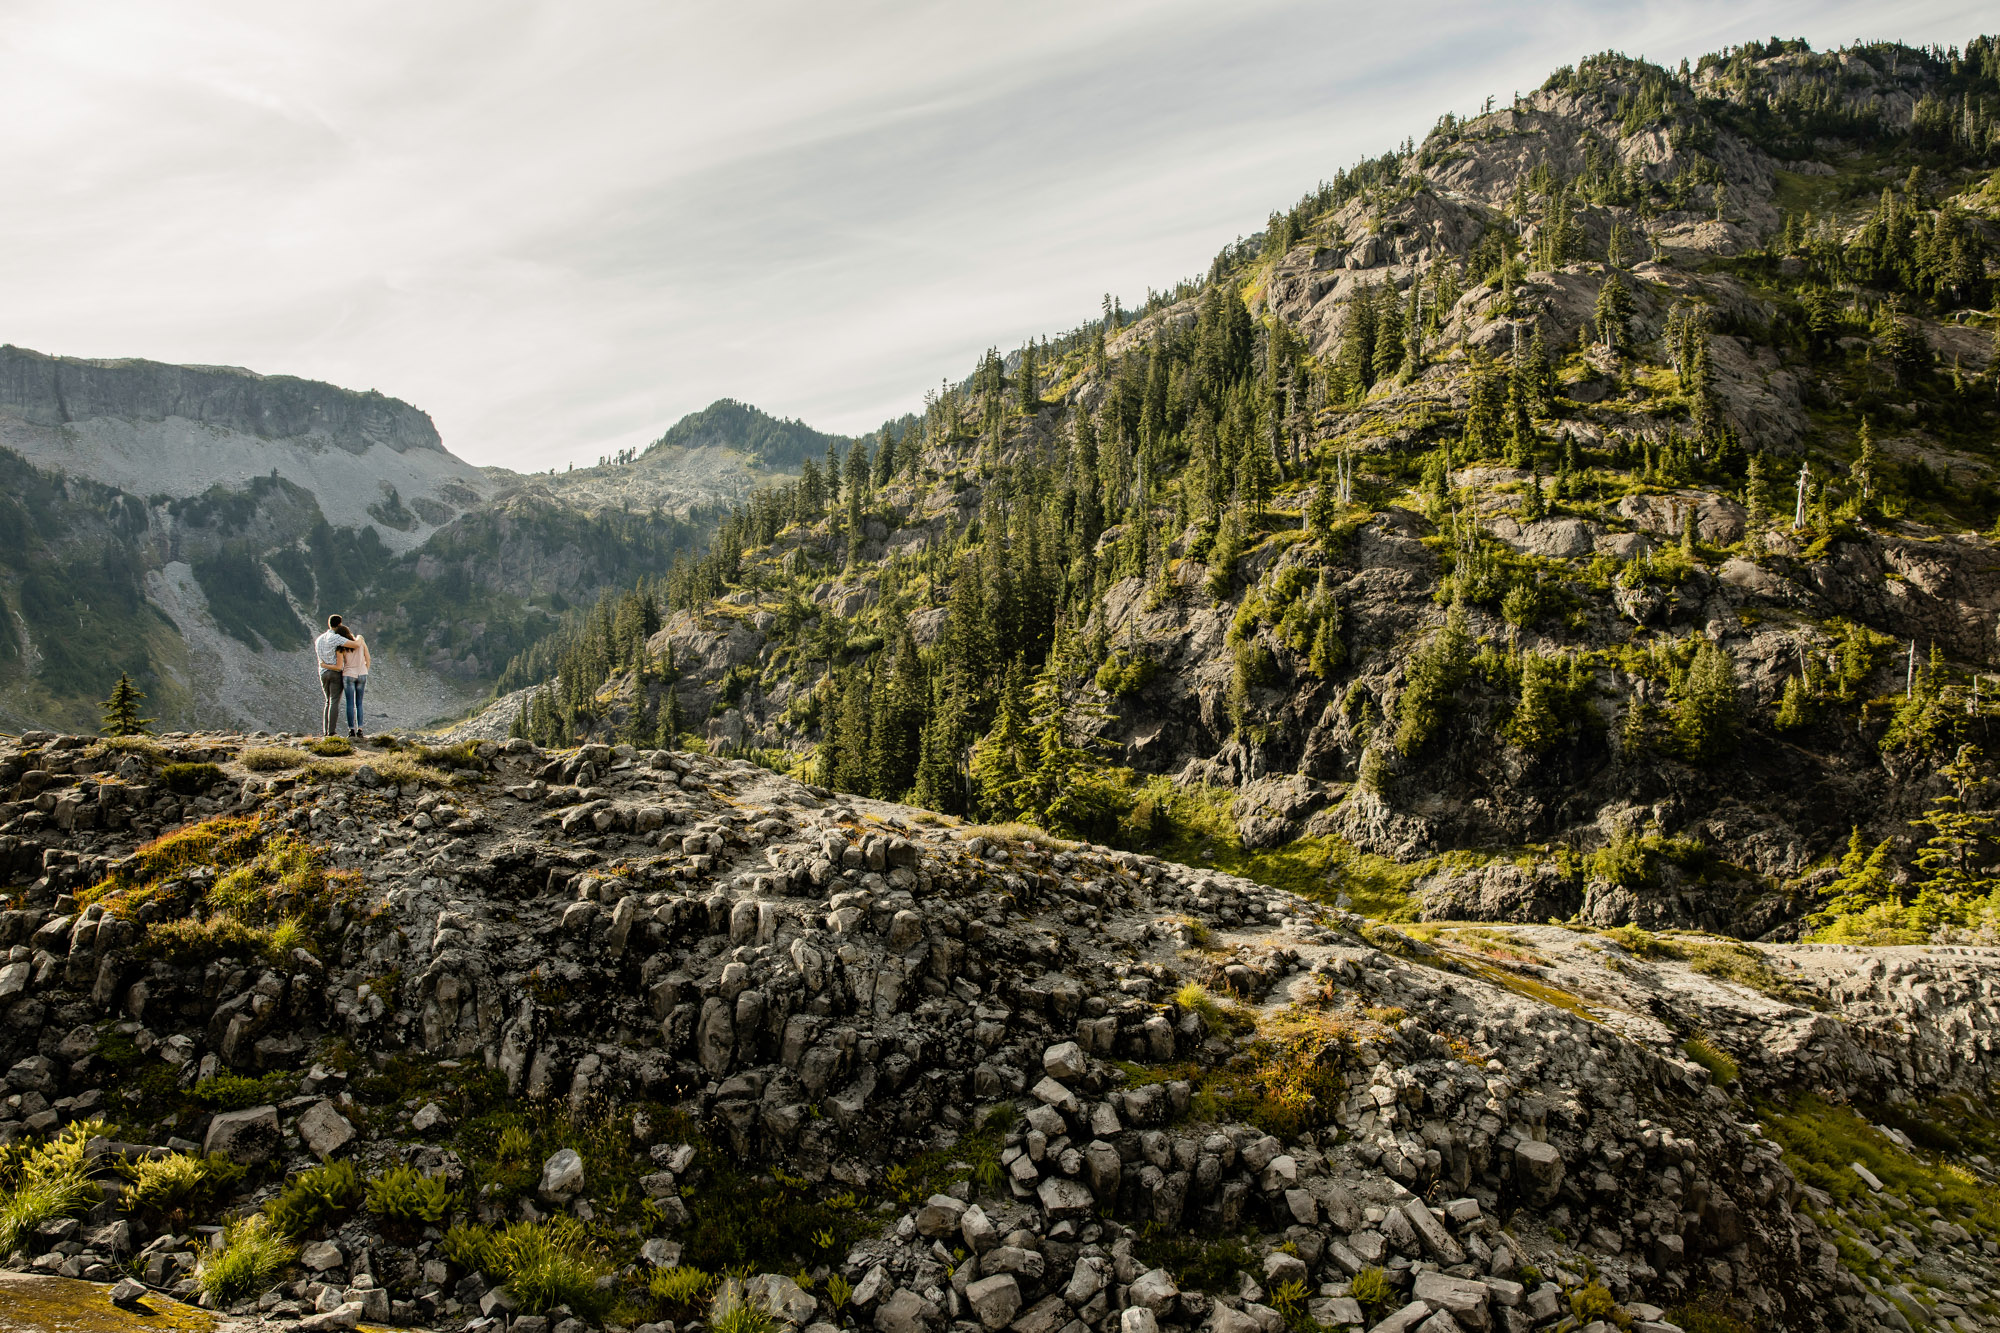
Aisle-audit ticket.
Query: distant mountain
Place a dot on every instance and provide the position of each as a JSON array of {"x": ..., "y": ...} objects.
[
  {"x": 720, "y": 453},
  {"x": 191, "y": 524},
  {"x": 778, "y": 443}
]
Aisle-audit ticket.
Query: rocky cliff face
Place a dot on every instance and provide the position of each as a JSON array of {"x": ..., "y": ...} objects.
[
  {"x": 62, "y": 391},
  {"x": 665, "y": 1014}
]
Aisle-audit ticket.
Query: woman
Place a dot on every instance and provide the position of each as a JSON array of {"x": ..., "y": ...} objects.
[{"x": 354, "y": 661}]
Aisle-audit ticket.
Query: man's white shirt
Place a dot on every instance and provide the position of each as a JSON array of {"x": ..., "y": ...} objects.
[{"x": 327, "y": 645}]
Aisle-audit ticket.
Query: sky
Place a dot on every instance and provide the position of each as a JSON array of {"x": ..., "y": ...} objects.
[{"x": 559, "y": 226}]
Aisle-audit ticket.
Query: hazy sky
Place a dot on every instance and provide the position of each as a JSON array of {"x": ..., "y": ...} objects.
[{"x": 558, "y": 226}]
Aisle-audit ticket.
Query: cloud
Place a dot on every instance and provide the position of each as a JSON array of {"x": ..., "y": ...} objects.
[{"x": 559, "y": 227}]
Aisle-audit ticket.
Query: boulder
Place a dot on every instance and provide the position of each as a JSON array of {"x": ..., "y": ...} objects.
[
  {"x": 906, "y": 1312},
  {"x": 1539, "y": 1168},
  {"x": 1064, "y": 1061},
  {"x": 1062, "y": 1199},
  {"x": 248, "y": 1138},
  {"x": 1438, "y": 1242},
  {"x": 324, "y": 1129},
  {"x": 994, "y": 1300},
  {"x": 977, "y": 1230},
  {"x": 1155, "y": 1290},
  {"x": 322, "y": 1255},
  {"x": 562, "y": 1176},
  {"x": 1280, "y": 1268},
  {"x": 939, "y": 1216},
  {"x": 782, "y": 1297}
]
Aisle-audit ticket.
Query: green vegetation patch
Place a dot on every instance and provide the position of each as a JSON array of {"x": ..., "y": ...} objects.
[{"x": 1822, "y": 1141}]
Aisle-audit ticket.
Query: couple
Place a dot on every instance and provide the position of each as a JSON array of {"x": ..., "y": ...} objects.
[{"x": 343, "y": 671}]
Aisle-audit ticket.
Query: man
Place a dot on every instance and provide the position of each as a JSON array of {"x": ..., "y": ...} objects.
[{"x": 332, "y": 681}]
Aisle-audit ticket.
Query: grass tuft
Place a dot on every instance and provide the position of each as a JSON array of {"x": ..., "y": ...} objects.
[
  {"x": 1712, "y": 1058},
  {"x": 41, "y": 1183},
  {"x": 252, "y": 1256}
]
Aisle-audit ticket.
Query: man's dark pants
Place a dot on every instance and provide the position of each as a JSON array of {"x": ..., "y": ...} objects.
[{"x": 330, "y": 682}]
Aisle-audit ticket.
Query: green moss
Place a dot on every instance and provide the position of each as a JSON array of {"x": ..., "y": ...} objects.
[
  {"x": 1198, "y": 1263},
  {"x": 1822, "y": 1141},
  {"x": 1193, "y": 825},
  {"x": 235, "y": 1092}
]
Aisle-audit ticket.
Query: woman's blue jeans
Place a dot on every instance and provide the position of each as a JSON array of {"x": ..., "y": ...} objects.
[{"x": 356, "y": 685}]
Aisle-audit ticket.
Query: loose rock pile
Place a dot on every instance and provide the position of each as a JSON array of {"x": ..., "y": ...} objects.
[{"x": 1145, "y": 1096}]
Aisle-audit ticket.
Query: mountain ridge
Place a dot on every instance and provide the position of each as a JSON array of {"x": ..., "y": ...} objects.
[{"x": 1447, "y": 518}]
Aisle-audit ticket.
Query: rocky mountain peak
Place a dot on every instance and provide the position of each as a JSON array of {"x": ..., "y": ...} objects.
[{"x": 62, "y": 391}]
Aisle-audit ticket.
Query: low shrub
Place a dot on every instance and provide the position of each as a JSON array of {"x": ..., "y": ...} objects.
[
  {"x": 680, "y": 1290},
  {"x": 235, "y": 1092},
  {"x": 330, "y": 747},
  {"x": 464, "y": 754},
  {"x": 1196, "y": 1262},
  {"x": 406, "y": 1197},
  {"x": 1371, "y": 1288},
  {"x": 475, "y": 1249},
  {"x": 251, "y": 1257},
  {"x": 189, "y": 779},
  {"x": 271, "y": 759},
  {"x": 43, "y": 1182},
  {"x": 1195, "y": 997},
  {"x": 1706, "y": 1317},
  {"x": 178, "y": 1185},
  {"x": 314, "y": 1200},
  {"x": 401, "y": 772},
  {"x": 1593, "y": 1301}
]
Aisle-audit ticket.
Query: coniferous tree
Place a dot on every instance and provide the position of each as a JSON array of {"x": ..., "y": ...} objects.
[
  {"x": 121, "y": 710},
  {"x": 1614, "y": 308},
  {"x": 1485, "y": 428},
  {"x": 672, "y": 723},
  {"x": 1705, "y": 712},
  {"x": 1001, "y": 766},
  {"x": 1323, "y": 510},
  {"x": 1521, "y": 439},
  {"x": 1867, "y": 468},
  {"x": 1432, "y": 677},
  {"x": 1795, "y": 707},
  {"x": 885, "y": 458},
  {"x": 1756, "y": 496},
  {"x": 940, "y": 785},
  {"x": 896, "y": 738},
  {"x": 1955, "y": 853},
  {"x": 1386, "y": 358},
  {"x": 1541, "y": 376}
]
